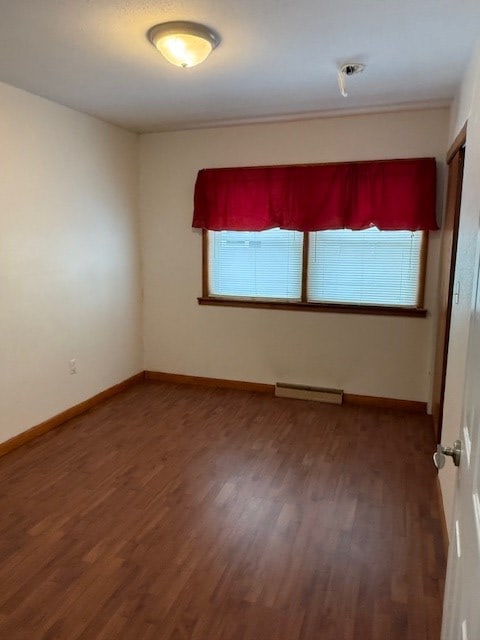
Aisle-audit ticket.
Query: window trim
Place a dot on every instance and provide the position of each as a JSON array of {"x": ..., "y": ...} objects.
[{"x": 304, "y": 305}]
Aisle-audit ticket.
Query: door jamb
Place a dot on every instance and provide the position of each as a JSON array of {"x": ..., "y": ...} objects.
[{"x": 456, "y": 147}]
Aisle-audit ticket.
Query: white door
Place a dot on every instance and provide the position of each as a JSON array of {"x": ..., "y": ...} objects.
[{"x": 461, "y": 613}]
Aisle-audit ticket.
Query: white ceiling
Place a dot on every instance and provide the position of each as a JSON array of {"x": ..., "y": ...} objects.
[{"x": 276, "y": 58}]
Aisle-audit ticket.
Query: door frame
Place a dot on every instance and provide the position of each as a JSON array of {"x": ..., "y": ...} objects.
[{"x": 442, "y": 342}]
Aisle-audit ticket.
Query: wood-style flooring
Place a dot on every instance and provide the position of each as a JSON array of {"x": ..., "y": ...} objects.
[{"x": 182, "y": 513}]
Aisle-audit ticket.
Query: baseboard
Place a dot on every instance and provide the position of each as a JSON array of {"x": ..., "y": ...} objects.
[
  {"x": 159, "y": 376},
  {"x": 385, "y": 403},
  {"x": 443, "y": 523},
  {"x": 176, "y": 378},
  {"x": 258, "y": 387},
  {"x": 72, "y": 412}
]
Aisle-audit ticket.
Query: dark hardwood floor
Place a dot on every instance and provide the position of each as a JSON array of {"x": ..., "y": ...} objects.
[{"x": 174, "y": 513}]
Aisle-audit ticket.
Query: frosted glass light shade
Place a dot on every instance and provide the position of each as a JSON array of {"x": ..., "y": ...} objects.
[
  {"x": 183, "y": 50},
  {"x": 184, "y": 44}
]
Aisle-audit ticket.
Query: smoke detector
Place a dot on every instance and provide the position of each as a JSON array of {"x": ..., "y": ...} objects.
[{"x": 348, "y": 69}]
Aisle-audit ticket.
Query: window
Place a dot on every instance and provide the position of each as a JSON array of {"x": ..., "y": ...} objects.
[
  {"x": 364, "y": 271},
  {"x": 256, "y": 264},
  {"x": 360, "y": 244},
  {"x": 365, "y": 267}
]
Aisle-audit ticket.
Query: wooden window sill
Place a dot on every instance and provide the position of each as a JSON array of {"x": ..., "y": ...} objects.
[{"x": 322, "y": 307}]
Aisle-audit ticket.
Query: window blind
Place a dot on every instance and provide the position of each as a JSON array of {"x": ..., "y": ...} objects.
[
  {"x": 364, "y": 267},
  {"x": 251, "y": 264}
]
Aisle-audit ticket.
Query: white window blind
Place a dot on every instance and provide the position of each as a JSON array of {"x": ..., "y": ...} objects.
[
  {"x": 364, "y": 267},
  {"x": 256, "y": 264}
]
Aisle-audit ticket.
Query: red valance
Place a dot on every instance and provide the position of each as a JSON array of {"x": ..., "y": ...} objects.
[{"x": 388, "y": 194}]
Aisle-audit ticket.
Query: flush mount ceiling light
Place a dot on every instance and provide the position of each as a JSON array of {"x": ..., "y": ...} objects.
[{"x": 184, "y": 44}]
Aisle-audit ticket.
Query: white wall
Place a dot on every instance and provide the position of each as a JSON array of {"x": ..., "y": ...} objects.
[
  {"x": 466, "y": 107},
  {"x": 371, "y": 355},
  {"x": 69, "y": 259}
]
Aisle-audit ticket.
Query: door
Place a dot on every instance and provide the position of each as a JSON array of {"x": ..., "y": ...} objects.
[
  {"x": 461, "y": 615},
  {"x": 448, "y": 253}
]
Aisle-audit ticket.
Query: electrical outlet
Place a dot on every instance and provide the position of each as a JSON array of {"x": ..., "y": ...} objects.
[{"x": 73, "y": 366}]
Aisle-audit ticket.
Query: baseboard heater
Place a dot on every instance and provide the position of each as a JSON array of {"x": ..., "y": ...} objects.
[{"x": 301, "y": 392}]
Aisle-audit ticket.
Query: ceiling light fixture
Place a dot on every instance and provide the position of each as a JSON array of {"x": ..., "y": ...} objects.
[
  {"x": 184, "y": 44},
  {"x": 348, "y": 69}
]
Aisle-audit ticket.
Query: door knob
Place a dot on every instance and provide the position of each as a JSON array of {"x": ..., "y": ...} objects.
[{"x": 454, "y": 452}]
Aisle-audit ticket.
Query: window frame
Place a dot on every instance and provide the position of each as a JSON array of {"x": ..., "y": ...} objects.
[{"x": 417, "y": 311}]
